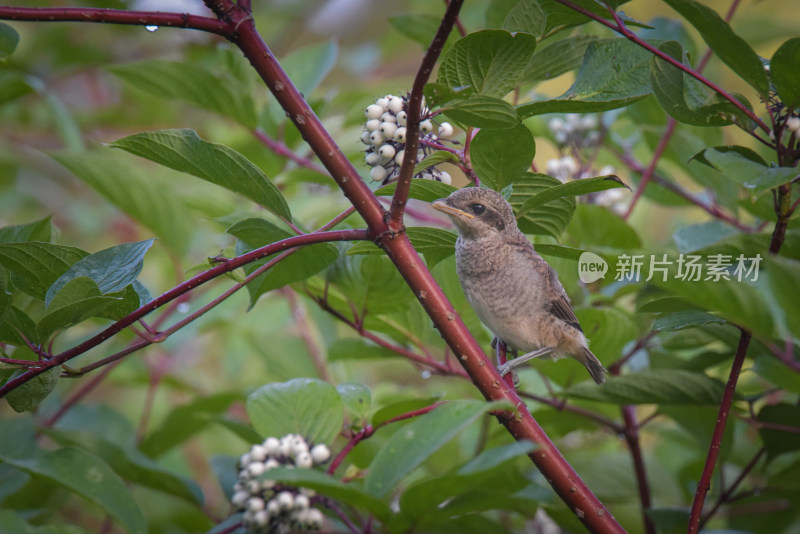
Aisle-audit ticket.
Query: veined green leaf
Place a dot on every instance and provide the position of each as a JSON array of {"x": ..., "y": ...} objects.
[
  {"x": 40, "y": 230},
  {"x": 784, "y": 70},
  {"x": 554, "y": 58},
  {"x": 498, "y": 156},
  {"x": 663, "y": 386},
  {"x": 9, "y": 38},
  {"x": 184, "y": 151},
  {"x": 34, "y": 266},
  {"x": 549, "y": 219},
  {"x": 748, "y": 173},
  {"x": 434, "y": 243},
  {"x": 425, "y": 190},
  {"x": 482, "y": 111},
  {"x": 77, "y": 300},
  {"x": 573, "y": 188}
]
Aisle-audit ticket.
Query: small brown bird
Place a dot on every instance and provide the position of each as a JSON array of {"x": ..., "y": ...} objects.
[{"x": 511, "y": 288}]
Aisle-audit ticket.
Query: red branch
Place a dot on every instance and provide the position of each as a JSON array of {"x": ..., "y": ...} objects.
[
  {"x": 414, "y": 108},
  {"x": 719, "y": 429},
  {"x": 116, "y": 16},
  {"x": 225, "y": 267}
]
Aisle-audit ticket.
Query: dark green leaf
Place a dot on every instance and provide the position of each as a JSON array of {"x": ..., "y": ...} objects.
[
  {"x": 133, "y": 190},
  {"x": 549, "y": 219},
  {"x": 665, "y": 386},
  {"x": 9, "y": 38},
  {"x": 330, "y": 487},
  {"x": 193, "y": 83},
  {"x": 17, "y": 322},
  {"x": 357, "y": 401},
  {"x": 526, "y": 16},
  {"x": 697, "y": 236},
  {"x": 111, "y": 269},
  {"x": 490, "y": 61},
  {"x": 89, "y": 477},
  {"x": 784, "y": 70},
  {"x": 184, "y": 151},
  {"x": 305, "y": 262},
  {"x": 395, "y": 409},
  {"x": 614, "y": 73},
  {"x": 371, "y": 283},
  {"x": 35, "y": 266},
  {"x": 28, "y": 396},
  {"x": 554, "y": 58},
  {"x": 305, "y": 406},
  {"x": 440, "y": 156},
  {"x": 748, "y": 173},
  {"x": 482, "y": 112},
  {"x": 686, "y": 99},
  {"x": 425, "y": 190},
  {"x": 730, "y": 48},
  {"x": 415, "y": 442},
  {"x": 597, "y": 226},
  {"x": 14, "y": 84},
  {"x": 778, "y": 441},
  {"x": 573, "y": 188},
  {"x": 608, "y": 330},
  {"x": 78, "y": 299},
  {"x": 13, "y": 523},
  {"x": 500, "y": 155},
  {"x": 784, "y": 275},
  {"x": 40, "y": 230}
]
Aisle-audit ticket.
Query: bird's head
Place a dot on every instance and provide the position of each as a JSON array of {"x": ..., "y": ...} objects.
[{"x": 478, "y": 212}]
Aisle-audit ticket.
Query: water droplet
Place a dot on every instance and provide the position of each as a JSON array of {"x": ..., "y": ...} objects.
[
  {"x": 183, "y": 307},
  {"x": 151, "y": 28},
  {"x": 425, "y": 374}
]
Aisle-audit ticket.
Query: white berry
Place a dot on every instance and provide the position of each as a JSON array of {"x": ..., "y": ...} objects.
[
  {"x": 401, "y": 117},
  {"x": 255, "y": 469},
  {"x": 553, "y": 167},
  {"x": 267, "y": 484},
  {"x": 395, "y": 104},
  {"x": 400, "y": 134},
  {"x": 608, "y": 169},
  {"x": 258, "y": 453},
  {"x": 271, "y": 464},
  {"x": 301, "y": 502},
  {"x": 793, "y": 124},
  {"x": 588, "y": 122},
  {"x": 303, "y": 460},
  {"x": 320, "y": 453},
  {"x": 386, "y": 152},
  {"x": 239, "y": 499},
  {"x": 254, "y": 504},
  {"x": 378, "y": 173},
  {"x": 383, "y": 103},
  {"x": 373, "y": 158},
  {"x": 445, "y": 178},
  {"x": 556, "y": 125},
  {"x": 376, "y": 138},
  {"x": 261, "y": 518},
  {"x": 388, "y": 129},
  {"x": 314, "y": 519},
  {"x": 374, "y": 111},
  {"x": 244, "y": 459},
  {"x": 285, "y": 500},
  {"x": 373, "y": 124},
  {"x": 273, "y": 508},
  {"x": 365, "y": 140},
  {"x": 253, "y": 487},
  {"x": 446, "y": 130},
  {"x": 569, "y": 164},
  {"x": 426, "y": 126},
  {"x": 399, "y": 160},
  {"x": 388, "y": 117}
]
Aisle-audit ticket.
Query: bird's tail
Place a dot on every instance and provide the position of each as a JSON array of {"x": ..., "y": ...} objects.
[{"x": 594, "y": 366}]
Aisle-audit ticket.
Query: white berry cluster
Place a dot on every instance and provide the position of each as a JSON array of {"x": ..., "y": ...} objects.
[
  {"x": 575, "y": 130},
  {"x": 385, "y": 137},
  {"x": 270, "y": 508}
]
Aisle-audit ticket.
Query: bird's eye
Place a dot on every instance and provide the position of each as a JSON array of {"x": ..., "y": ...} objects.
[{"x": 478, "y": 209}]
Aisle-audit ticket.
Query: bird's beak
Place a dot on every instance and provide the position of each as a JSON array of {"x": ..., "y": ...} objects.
[{"x": 441, "y": 205}]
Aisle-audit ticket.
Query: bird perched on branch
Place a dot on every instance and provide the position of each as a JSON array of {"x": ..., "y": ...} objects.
[{"x": 512, "y": 289}]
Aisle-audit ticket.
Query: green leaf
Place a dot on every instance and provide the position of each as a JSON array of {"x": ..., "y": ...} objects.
[
  {"x": 305, "y": 262},
  {"x": 133, "y": 190},
  {"x": 330, "y": 487},
  {"x": 308, "y": 66},
  {"x": 14, "y": 84},
  {"x": 395, "y": 409},
  {"x": 35, "y": 266},
  {"x": 28, "y": 396},
  {"x": 184, "y": 151},
  {"x": 12, "y": 523},
  {"x": 686, "y": 99},
  {"x": 778, "y": 441},
  {"x": 185, "y": 421},
  {"x": 554, "y": 58},
  {"x": 597, "y": 226},
  {"x": 500, "y": 155},
  {"x": 425, "y": 190},
  {"x": 730, "y": 48},
  {"x": 747, "y": 173},
  {"x": 614, "y": 73},
  {"x": 482, "y": 112},
  {"x": 357, "y": 349},
  {"x": 9, "y": 38},
  {"x": 492, "y": 62},
  {"x": 306, "y": 406},
  {"x": 78, "y": 299},
  {"x": 665, "y": 386},
  {"x": 357, "y": 401},
  {"x": 573, "y": 188},
  {"x": 371, "y": 283},
  {"x": 417, "y": 441},
  {"x": 434, "y": 243},
  {"x": 685, "y": 319},
  {"x": 549, "y": 219},
  {"x": 420, "y": 28},
  {"x": 526, "y": 16},
  {"x": 89, "y": 477},
  {"x": 784, "y": 70},
  {"x": 111, "y": 269},
  {"x": 784, "y": 275},
  {"x": 17, "y": 322},
  {"x": 440, "y": 156},
  {"x": 41, "y": 230},
  {"x": 193, "y": 83}
]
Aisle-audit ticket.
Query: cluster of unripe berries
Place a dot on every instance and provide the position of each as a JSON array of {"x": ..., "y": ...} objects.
[
  {"x": 385, "y": 137},
  {"x": 270, "y": 508},
  {"x": 575, "y": 130}
]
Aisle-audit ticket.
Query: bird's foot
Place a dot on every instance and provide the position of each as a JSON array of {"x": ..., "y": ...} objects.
[{"x": 516, "y": 362}]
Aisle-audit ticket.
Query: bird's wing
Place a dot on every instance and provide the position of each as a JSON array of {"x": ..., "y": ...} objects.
[{"x": 559, "y": 304}]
